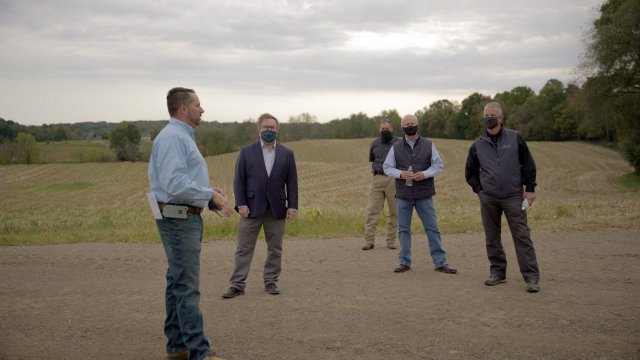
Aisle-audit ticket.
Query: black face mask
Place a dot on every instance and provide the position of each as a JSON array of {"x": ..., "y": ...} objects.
[
  {"x": 386, "y": 136},
  {"x": 410, "y": 130},
  {"x": 490, "y": 122}
]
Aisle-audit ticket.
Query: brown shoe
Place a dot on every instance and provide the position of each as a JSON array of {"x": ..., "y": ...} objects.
[
  {"x": 391, "y": 246},
  {"x": 367, "y": 247},
  {"x": 177, "y": 355},
  {"x": 446, "y": 269}
]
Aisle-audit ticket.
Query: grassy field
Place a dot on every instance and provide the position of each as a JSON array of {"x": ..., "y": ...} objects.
[{"x": 105, "y": 202}]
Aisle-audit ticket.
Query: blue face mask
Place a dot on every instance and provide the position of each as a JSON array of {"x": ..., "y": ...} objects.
[{"x": 268, "y": 136}]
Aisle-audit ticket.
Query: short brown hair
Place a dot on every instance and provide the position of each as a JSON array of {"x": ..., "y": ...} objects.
[
  {"x": 267, "y": 116},
  {"x": 178, "y": 96}
]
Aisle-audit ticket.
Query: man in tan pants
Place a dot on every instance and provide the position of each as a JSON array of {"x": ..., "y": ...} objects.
[{"x": 382, "y": 188}]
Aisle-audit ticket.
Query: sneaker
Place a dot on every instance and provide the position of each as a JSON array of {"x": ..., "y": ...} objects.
[
  {"x": 532, "y": 286},
  {"x": 494, "y": 280},
  {"x": 272, "y": 289},
  {"x": 232, "y": 292},
  {"x": 367, "y": 247},
  {"x": 402, "y": 268}
]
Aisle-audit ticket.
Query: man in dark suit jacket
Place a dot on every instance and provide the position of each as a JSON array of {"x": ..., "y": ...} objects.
[{"x": 266, "y": 193}]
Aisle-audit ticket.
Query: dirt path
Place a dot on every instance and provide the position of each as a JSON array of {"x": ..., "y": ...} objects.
[{"x": 105, "y": 301}]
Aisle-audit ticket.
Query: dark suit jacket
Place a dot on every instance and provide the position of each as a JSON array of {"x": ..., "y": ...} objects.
[{"x": 253, "y": 188}]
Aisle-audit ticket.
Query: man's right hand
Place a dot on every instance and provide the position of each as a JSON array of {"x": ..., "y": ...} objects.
[{"x": 221, "y": 202}]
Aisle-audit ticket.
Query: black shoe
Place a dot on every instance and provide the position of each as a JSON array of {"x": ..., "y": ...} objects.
[
  {"x": 446, "y": 269},
  {"x": 532, "y": 286},
  {"x": 272, "y": 289},
  {"x": 402, "y": 268},
  {"x": 232, "y": 292},
  {"x": 494, "y": 280}
]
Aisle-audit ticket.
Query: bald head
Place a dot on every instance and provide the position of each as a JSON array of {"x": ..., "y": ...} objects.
[{"x": 409, "y": 120}]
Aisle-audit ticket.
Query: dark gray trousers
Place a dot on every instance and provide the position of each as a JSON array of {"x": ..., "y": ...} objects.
[
  {"x": 491, "y": 209},
  {"x": 248, "y": 230}
]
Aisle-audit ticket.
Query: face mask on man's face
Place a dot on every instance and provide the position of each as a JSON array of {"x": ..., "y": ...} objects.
[
  {"x": 268, "y": 136},
  {"x": 410, "y": 130},
  {"x": 386, "y": 135},
  {"x": 490, "y": 122}
]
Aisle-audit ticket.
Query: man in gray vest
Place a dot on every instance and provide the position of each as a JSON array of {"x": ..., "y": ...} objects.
[
  {"x": 382, "y": 188},
  {"x": 414, "y": 162},
  {"x": 499, "y": 164}
]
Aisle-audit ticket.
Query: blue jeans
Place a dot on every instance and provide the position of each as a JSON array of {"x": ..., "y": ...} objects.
[
  {"x": 184, "y": 326},
  {"x": 427, "y": 214}
]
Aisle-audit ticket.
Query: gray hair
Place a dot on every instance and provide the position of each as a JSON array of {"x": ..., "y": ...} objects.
[{"x": 494, "y": 105}]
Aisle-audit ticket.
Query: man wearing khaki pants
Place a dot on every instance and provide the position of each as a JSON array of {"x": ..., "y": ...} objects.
[{"x": 382, "y": 188}]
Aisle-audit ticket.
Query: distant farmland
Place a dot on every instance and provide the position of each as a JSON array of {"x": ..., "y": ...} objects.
[{"x": 105, "y": 202}]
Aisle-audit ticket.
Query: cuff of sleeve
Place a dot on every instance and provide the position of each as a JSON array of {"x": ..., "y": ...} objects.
[{"x": 530, "y": 188}]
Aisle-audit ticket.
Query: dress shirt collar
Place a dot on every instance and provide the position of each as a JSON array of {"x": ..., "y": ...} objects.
[
  {"x": 182, "y": 125},
  {"x": 265, "y": 147}
]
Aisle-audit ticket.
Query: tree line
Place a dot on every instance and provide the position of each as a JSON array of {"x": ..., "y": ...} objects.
[{"x": 605, "y": 108}]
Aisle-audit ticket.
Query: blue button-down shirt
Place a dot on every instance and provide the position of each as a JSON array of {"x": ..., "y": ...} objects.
[{"x": 178, "y": 173}]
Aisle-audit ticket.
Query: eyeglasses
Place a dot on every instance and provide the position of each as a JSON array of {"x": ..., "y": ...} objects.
[{"x": 268, "y": 127}]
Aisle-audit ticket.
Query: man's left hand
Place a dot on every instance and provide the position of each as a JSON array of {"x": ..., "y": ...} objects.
[
  {"x": 419, "y": 176},
  {"x": 530, "y": 196},
  {"x": 290, "y": 214}
]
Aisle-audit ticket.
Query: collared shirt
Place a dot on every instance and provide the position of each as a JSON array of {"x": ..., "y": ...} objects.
[
  {"x": 178, "y": 173},
  {"x": 436, "y": 167},
  {"x": 269, "y": 155}
]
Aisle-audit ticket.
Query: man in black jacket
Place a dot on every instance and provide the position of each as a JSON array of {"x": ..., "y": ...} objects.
[{"x": 498, "y": 166}]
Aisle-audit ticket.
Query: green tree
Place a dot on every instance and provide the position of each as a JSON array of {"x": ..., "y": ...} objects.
[
  {"x": 570, "y": 114},
  {"x": 8, "y": 132},
  {"x": 124, "y": 140},
  {"x": 301, "y": 126},
  {"x": 468, "y": 123},
  {"x": 213, "y": 142},
  {"x": 612, "y": 67},
  {"x": 26, "y": 150},
  {"x": 433, "y": 119}
]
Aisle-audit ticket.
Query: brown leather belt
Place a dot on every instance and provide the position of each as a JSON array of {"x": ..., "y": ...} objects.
[{"x": 190, "y": 209}]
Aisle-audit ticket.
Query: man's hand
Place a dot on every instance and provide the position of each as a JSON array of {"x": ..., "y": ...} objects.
[
  {"x": 419, "y": 176},
  {"x": 290, "y": 214},
  {"x": 530, "y": 196},
  {"x": 407, "y": 175},
  {"x": 220, "y": 200},
  {"x": 243, "y": 211}
]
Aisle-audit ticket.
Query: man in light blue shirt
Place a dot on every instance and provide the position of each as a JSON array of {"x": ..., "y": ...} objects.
[
  {"x": 179, "y": 179},
  {"x": 414, "y": 162}
]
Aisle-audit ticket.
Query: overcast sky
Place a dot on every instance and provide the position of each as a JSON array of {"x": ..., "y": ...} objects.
[{"x": 66, "y": 61}]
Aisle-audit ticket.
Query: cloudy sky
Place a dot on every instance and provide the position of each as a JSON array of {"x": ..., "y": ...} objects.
[{"x": 66, "y": 61}]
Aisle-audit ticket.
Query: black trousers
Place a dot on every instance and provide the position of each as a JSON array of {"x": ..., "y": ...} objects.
[{"x": 491, "y": 210}]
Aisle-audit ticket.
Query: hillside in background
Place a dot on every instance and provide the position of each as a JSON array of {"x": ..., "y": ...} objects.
[{"x": 90, "y": 202}]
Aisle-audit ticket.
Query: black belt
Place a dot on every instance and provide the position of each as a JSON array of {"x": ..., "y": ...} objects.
[
  {"x": 190, "y": 209},
  {"x": 378, "y": 173}
]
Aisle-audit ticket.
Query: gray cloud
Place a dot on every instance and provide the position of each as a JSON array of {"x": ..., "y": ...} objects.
[{"x": 288, "y": 47}]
